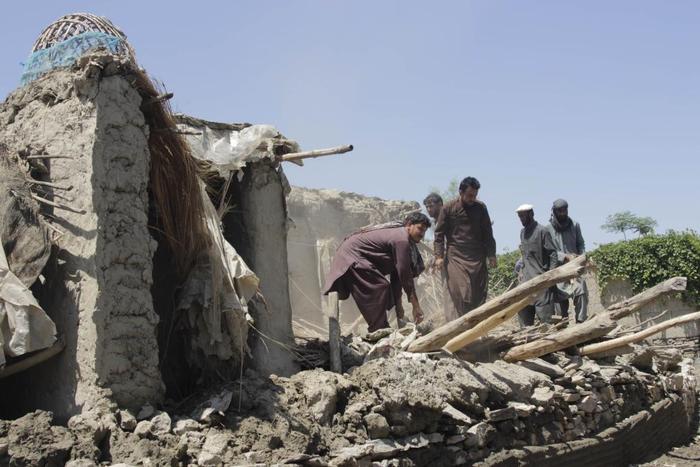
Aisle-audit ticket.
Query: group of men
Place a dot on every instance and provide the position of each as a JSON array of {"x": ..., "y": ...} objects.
[{"x": 464, "y": 249}]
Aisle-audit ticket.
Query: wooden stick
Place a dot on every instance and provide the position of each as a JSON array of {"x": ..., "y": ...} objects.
[
  {"x": 621, "y": 330},
  {"x": 46, "y": 156},
  {"x": 598, "y": 326},
  {"x": 638, "y": 336},
  {"x": 334, "y": 332},
  {"x": 296, "y": 156},
  {"x": 56, "y": 205},
  {"x": 470, "y": 335},
  {"x": 160, "y": 98},
  {"x": 49, "y": 184},
  {"x": 434, "y": 340},
  {"x": 629, "y": 306},
  {"x": 222, "y": 202},
  {"x": 34, "y": 359}
]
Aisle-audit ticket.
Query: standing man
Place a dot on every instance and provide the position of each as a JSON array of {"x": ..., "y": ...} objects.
[
  {"x": 433, "y": 205},
  {"x": 463, "y": 244},
  {"x": 539, "y": 255},
  {"x": 568, "y": 240},
  {"x": 364, "y": 259}
]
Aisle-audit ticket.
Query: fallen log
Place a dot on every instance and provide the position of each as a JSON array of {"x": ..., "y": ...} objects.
[
  {"x": 436, "y": 339},
  {"x": 298, "y": 156},
  {"x": 598, "y": 326},
  {"x": 470, "y": 335},
  {"x": 638, "y": 336}
]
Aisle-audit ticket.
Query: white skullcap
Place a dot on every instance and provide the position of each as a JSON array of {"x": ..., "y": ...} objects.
[{"x": 525, "y": 207}]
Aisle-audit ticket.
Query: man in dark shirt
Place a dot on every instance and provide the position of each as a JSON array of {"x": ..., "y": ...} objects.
[
  {"x": 364, "y": 259},
  {"x": 539, "y": 254},
  {"x": 433, "y": 205},
  {"x": 464, "y": 243}
]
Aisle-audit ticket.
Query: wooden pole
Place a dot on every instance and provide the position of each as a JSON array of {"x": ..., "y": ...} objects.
[
  {"x": 32, "y": 360},
  {"x": 638, "y": 336},
  {"x": 46, "y": 156},
  {"x": 296, "y": 156},
  {"x": 334, "y": 332},
  {"x": 598, "y": 326},
  {"x": 470, "y": 335},
  {"x": 49, "y": 184},
  {"x": 56, "y": 205},
  {"x": 434, "y": 340}
]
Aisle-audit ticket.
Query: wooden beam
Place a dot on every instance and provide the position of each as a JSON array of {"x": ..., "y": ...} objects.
[
  {"x": 434, "y": 340},
  {"x": 56, "y": 205},
  {"x": 638, "y": 336},
  {"x": 334, "y": 332},
  {"x": 598, "y": 326},
  {"x": 470, "y": 335},
  {"x": 297, "y": 156},
  {"x": 629, "y": 306}
]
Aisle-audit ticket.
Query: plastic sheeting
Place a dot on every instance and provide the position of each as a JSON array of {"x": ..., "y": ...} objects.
[
  {"x": 229, "y": 150},
  {"x": 218, "y": 290},
  {"x": 24, "y": 326}
]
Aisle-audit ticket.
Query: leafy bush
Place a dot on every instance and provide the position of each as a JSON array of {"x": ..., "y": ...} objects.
[
  {"x": 503, "y": 275},
  {"x": 651, "y": 259}
]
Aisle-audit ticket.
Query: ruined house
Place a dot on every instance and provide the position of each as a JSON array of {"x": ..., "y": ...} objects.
[{"x": 144, "y": 283}]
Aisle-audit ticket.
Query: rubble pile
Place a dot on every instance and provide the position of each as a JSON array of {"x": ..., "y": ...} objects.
[{"x": 406, "y": 409}]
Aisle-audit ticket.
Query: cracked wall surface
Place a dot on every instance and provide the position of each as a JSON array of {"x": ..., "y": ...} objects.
[{"x": 99, "y": 277}]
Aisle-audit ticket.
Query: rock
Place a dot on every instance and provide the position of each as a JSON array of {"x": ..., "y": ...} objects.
[
  {"x": 377, "y": 426},
  {"x": 33, "y": 441},
  {"x": 161, "y": 424},
  {"x": 521, "y": 409},
  {"x": 321, "y": 390},
  {"x": 147, "y": 411},
  {"x": 81, "y": 463},
  {"x": 501, "y": 414},
  {"x": 456, "y": 415},
  {"x": 483, "y": 432},
  {"x": 571, "y": 396},
  {"x": 214, "y": 448},
  {"x": 127, "y": 421},
  {"x": 184, "y": 425},
  {"x": 588, "y": 404},
  {"x": 542, "y": 396},
  {"x": 578, "y": 379},
  {"x": 455, "y": 439},
  {"x": 607, "y": 393},
  {"x": 143, "y": 429},
  {"x": 3, "y": 446},
  {"x": 541, "y": 366}
]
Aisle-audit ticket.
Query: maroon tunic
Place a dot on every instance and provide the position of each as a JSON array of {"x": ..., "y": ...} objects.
[
  {"x": 463, "y": 236},
  {"x": 359, "y": 268}
]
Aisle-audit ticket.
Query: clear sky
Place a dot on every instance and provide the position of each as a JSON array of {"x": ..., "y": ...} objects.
[{"x": 597, "y": 102}]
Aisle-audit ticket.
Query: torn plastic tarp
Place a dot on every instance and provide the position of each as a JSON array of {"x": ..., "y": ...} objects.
[
  {"x": 219, "y": 286},
  {"x": 228, "y": 149},
  {"x": 24, "y": 326}
]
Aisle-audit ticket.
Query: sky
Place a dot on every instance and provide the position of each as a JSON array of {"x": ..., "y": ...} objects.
[{"x": 597, "y": 102}]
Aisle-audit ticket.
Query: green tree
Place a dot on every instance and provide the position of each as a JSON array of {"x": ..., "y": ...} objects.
[
  {"x": 451, "y": 192},
  {"x": 627, "y": 221}
]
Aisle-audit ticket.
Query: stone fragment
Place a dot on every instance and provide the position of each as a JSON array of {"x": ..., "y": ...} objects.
[
  {"x": 143, "y": 429},
  {"x": 161, "y": 424},
  {"x": 578, "y": 379},
  {"x": 377, "y": 426},
  {"x": 507, "y": 413},
  {"x": 455, "y": 439},
  {"x": 571, "y": 397},
  {"x": 81, "y": 463},
  {"x": 184, "y": 425},
  {"x": 522, "y": 410},
  {"x": 484, "y": 433},
  {"x": 542, "y": 396},
  {"x": 214, "y": 448},
  {"x": 541, "y": 366},
  {"x": 588, "y": 404},
  {"x": 147, "y": 411},
  {"x": 456, "y": 415},
  {"x": 127, "y": 421}
]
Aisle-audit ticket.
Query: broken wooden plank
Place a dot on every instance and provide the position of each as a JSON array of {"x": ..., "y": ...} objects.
[
  {"x": 434, "y": 340},
  {"x": 638, "y": 336},
  {"x": 32, "y": 360},
  {"x": 470, "y": 335},
  {"x": 598, "y": 326}
]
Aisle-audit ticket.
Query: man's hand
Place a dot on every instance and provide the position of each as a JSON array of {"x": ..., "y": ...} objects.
[
  {"x": 437, "y": 265},
  {"x": 492, "y": 262},
  {"x": 417, "y": 315}
]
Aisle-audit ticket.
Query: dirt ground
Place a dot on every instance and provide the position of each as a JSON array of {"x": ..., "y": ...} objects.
[{"x": 686, "y": 455}]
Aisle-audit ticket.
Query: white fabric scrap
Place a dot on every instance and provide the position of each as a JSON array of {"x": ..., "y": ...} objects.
[{"x": 24, "y": 326}]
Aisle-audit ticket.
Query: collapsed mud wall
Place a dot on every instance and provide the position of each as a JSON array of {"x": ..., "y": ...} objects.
[
  {"x": 320, "y": 220},
  {"x": 98, "y": 281}
]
